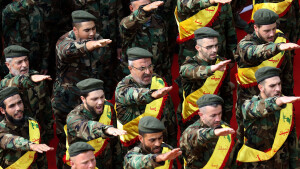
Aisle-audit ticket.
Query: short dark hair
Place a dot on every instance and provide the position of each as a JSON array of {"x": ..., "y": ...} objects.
[
  {"x": 2, "y": 104},
  {"x": 77, "y": 24},
  {"x": 84, "y": 94},
  {"x": 258, "y": 25}
]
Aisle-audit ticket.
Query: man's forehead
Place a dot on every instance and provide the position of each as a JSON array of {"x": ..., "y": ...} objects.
[
  {"x": 87, "y": 25},
  {"x": 19, "y": 58},
  {"x": 143, "y": 61},
  {"x": 12, "y": 99}
]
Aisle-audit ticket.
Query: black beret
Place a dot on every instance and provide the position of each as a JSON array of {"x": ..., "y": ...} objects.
[
  {"x": 136, "y": 53},
  {"x": 265, "y": 17},
  {"x": 79, "y": 147},
  {"x": 89, "y": 85},
  {"x": 15, "y": 51},
  {"x": 205, "y": 32},
  {"x": 209, "y": 99},
  {"x": 149, "y": 124},
  {"x": 8, "y": 92},
  {"x": 266, "y": 72},
  {"x": 82, "y": 16}
]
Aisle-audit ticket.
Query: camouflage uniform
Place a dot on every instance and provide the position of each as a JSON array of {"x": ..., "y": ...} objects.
[
  {"x": 261, "y": 118},
  {"x": 289, "y": 24},
  {"x": 84, "y": 126},
  {"x": 223, "y": 24},
  {"x": 36, "y": 98},
  {"x": 14, "y": 143},
  {"x": 109, "y": 14},
  {"x": 252, "y": 51},
  {"x": 147, "y": 30},
  {"x": 131, "y": 101},
  {"x": 139, "y": 158},
  {"x": 74, "y": 63},
  {"x": 194, "y": 72},
  {"x": 23, "y": 24},
  {"x": 197, "y": 144}
]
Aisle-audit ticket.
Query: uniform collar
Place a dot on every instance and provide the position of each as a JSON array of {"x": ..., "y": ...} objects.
[{"x": 201, "y": 61}]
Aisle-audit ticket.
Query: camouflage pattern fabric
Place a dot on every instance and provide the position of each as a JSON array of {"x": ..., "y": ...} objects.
[
  {"x": 252, "y": 51},
  {"x": 138, "y": 158},
  {"x": 23, "y": 24},
  {"x": 193, "y": 74},
  {"x": 14, "y": 143},
  {"x": 109, "y": 14},
  {"x": 260, "y": 118},
  {"x": 83, "y": 125},
  {"x": 36, "y": 99},
  {"x": 147, "y": 30},
  {"x": 198, "y": 143},
  {"x": 74, "y": 63},
  {"x": 223, "y": 24},
  {"x": 131, "y": 101}
]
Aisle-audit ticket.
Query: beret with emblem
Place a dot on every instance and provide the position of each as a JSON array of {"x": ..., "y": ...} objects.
[
  {"x": 15, "y": 51},
  {"x": 149, "y": 124},
  {"x": 82, "y": 16},
  {"x": 79, "y": 147},
  {"x": 205, "y": 32},
  {"x": 89, "y": 85},
  {"x": 8, "y": 92},
  {"x": 266, "y": 72},
  {"x": 209, "y": 99},
  {"x": 136, "y": 53},
  {"x": 265, "y": 17}
]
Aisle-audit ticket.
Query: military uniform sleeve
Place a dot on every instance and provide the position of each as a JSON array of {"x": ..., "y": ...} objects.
[
  {"x": 253, "y": 108},
  {"x": 194, "y": 71},
  {"x": 129, "y": 95},
  {"x": 136, "y": 18},
  {"x": 197, "y": 137},
  {"x": 192, "y": 6},
  {"x": 12, "y": 142},
  {"x": 231, "y": 38},
  {"x": 252, "y": 54},
  {"x": 68, "y": 50},
  {"x": 134, "y": 160},
  {"x": 23, "y": 82},
  {"x": 84, "y": 129},
  {"x": 15, "y": 10}
]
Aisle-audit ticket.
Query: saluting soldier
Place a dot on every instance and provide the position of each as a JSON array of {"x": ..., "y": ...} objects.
[
  {"x": 204, "y": 73},
  {"x": 152, "y": 152},
  {"x": 268, "y": 120},
  {"x": 94, "y": 122},
  {"x": 19, "y": 134}
]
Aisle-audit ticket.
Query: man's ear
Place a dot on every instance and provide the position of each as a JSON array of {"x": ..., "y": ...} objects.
[
  {"x": 131, "y": 8},
  {"x": 260, "y": 87},
  {"x": 75, "y": 30},
  {"x": 141, "y": 138},
  {"x": 82, "y": 99},
  {"x": 2, "y": 110},
  {"x": 255, "y": 28}
]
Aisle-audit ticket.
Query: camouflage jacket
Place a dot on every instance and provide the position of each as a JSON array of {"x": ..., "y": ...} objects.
[
  {"x": 197, "y": 144},
  {"x": 260, "y": 118},
  {"x": 223, "y": 24},
  {"x": 14, "y": 143},
  {"x": 289, "y": 24},
  {"x": 23, "y": 24},
  {"x": 36, "y": 98},
  {"x": 131, "y": 101},
  {"x": 147, "y": 30},
  {"x": 83, "y": 125},
  {"x": 139, "y": 158},
  {"x": 74, "y": 63},
  {"x": 194, "y": 72}
]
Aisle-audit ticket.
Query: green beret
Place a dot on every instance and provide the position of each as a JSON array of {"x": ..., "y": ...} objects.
[
  {"x": 82, "y": 16},
  {"x": 266, "y": 72},
  {"x": 265, "y": 17},
  {"x": 136, "y": 53},
  {"x": 209, "y": 99},
  {"x": 89, "y": 85},
  {"x": 205, "y": 32},
  {"x": 8, "y": 92},
  {"x": 15, "y": 51},
  {"x": 149, "y": 124},
  {"x": 79, "y": 147}
]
